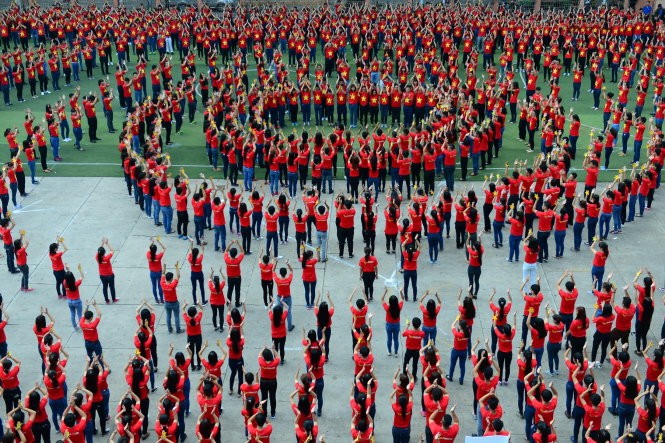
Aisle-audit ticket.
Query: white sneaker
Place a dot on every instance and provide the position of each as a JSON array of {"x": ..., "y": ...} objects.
[{"x": 390, "y": 354}]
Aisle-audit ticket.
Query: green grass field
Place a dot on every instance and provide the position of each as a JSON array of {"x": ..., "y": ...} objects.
[{"x": 101, "y": 159}]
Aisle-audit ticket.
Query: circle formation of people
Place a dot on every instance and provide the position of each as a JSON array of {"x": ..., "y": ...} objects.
[{"x": 416, "y": 71}]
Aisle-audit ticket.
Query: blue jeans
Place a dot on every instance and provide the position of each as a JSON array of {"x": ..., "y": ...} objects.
[
  {"x": 392, "y": 333},
  {"x": 433, "y": 243},
  {"x": 577, "y": 235},
  {"x": 553, "y": 355},
  {"x": 475, "y": 159},
  {"x": 199, "y": 226},
  {"x": 147, "y": 204},
  {"x": 401, "y": 435},
  {"x": 614, "y": 388},
  {"x": 93, "y": 348},
  {"x": 233, "y": 215},
  {"x": 497, "y": 228},
  {"x": 271, "y": 236},
  {"x": 57, "y": 410},
  {"x": 274, "y": 182},
  {"x": 155, "y": 277},
  {"x": 454, "y": 356},
  {"x": 632, "y": 202},
  {"x": 167, "y": 212},
  {"x": 288, "y": 301},
  {"x": 597, "y": 272},
  {"x": 75, "y": 311},
  {"x": 55, "y": 145},
  {"x": 318, "y": 390},
  {"x": 322, "y": 243},
  {"x": 310, "y": 293},
  {"x": 626, "y": 414},
  {"x": 293, "y": 183},
  {"x": 410, "y": 276},
  {"x": 430, "y": 334},
  {"x": 591, "y": 224},
  {"x": 257, "y": 217},
  {"x": 326, "y": 177},
  {"x": 248, "y": 176},
  {"x": 156, "y": 209},
  {"x": 538, "y": 353},
  {"x": 616, "y": 217},
  {"x": 559, "y": 237},
  {"x": 172, "y": 309},
  {"x": 220, "y": 235},
  {"x": 637, "y": 147},
  {"x": 514, "y": 247},
  {"x": 604, "y": 225},
  {"x": 197, "y": 278},
  {"x": 529, "y": 270}
]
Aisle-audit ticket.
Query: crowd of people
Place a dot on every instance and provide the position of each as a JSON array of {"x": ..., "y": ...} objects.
[{"x": 426, "y": 112}]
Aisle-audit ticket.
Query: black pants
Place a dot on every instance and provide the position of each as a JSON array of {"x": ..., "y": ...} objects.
[
  {"x": 474, "y": 278},
  {"x": 268, "y": 392},
  {"x": 42, "y": 431},
  {"x": 92, "y": 128},
  {"x": 460, "y": 234},
  {"x": 20, "y": 182},
  {"x": 182, "y": 222},
  {"x": 234, "y": 285},
  {"x": 300, "y": 240},
  {"x": 267, "y": 286},
  {"x": 391, "y": 240},
  {"x": 12, "y": 398},
  {"x": 504, "y": 359},
  {"x": 218, "y": 310},
  {"x": 345, "y": 236},
  {"x": 601, "y": 340},
  {"x": 411, "y": 355},
  {"x": 98, "y": 410},
  {"x": 279, "y": 344},
  {"x": 618, "y": 334},
  {"x": 145, "y": 409},
  {"x": 311, "y": 224},
  {"x": 235, "y": 365},
  {"x": 368, "y": 283},
  {"x": 194, "y": 343},
  {"x": 108, "y": 283},
  {"x": 428, "y": 179},
  {"x": 369, "y": 237},
  {"x": 641, "y": 330},
  {"x": 43, "y": 152},
  {"x": 464, "y": 163},
  {"x": 246, "y": 233}
]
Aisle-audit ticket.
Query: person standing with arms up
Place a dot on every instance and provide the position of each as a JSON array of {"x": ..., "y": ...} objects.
[
  {"x": 169, "y": 283},
  {"x": 106, "y": 270}
]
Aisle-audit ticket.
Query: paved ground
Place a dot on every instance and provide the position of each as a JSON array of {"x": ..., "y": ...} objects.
[{"x": 83, "y": 210}]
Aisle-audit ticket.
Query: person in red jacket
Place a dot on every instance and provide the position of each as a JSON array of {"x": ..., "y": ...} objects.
[{"x": 106, "y": 270}]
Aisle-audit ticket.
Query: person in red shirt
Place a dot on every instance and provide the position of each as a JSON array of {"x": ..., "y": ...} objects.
[
  {"x": 259, "y": 429},
  {"x": 73, "y": 423},
  {"x": 195, "y": 260},
  {"x": 268, "y": 362},
  {"x": 106, "y": 270},
  {"x": 598, "y": 263},
  {"x": 461, "y": 337},
  {"x": 445, "y": 431},
  {"x": 278, "y": 314},
  {"x": 233, "y": 259},
  {"x": 475, "y": 251},
  {"x": 192, "y": 318},
  {"x": 414, "y": 337},
  {"x": 155, "y": 267},
  {"x": 11, "y": 366},
  {"x": 89, "y": 325},
  {"x": 169, "y": 284},
  {"x": 369, "y": 271},
  {"x": 21, "y": 252},
  {"x": 402, "y": 406},
  {"x": 410, "y": 253}
]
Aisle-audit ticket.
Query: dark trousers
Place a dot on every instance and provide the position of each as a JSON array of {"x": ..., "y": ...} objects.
[
  {"x": 411, "y": 355},
  {"x": 108, "y": 282},
  {"x": 268, "y": 392},
  {"x": 234, "y": 286}
]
